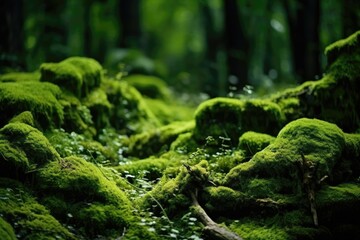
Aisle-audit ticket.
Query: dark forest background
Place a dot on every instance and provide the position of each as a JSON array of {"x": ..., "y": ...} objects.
[{"x": 218, "y": 47}]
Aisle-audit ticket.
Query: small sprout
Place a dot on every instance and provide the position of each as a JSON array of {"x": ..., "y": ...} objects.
[{"x": 69, "y": 215}]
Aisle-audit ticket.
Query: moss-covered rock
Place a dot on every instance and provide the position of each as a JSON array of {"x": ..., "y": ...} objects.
[
  {"x": 100, "y": 108},
  {"x": 77, "y": 75},
  {"x": 130, "y": 113},
  {"x": 158, "y": 140},
  {"x": 334, "y": 98},
  {"x": 149, "y": 86},
  {"x": 6, "y": 230},
  {"x": 23, "y": 148},
  {"x": 24, "y": 117},
  {"x": 41, "y": 99},
  {"x": 321, "y": 143},
  {"x": 29, "y": 219},
  {"x": 252, "y": 142},
  {"x": 231, "y": 117}
]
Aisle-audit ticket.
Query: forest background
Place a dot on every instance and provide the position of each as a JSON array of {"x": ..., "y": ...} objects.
[{"x": 216, "y": 47}]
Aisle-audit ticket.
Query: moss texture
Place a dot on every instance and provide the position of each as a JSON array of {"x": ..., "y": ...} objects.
[
  {"x": 131, "y": 114},
  {"x": 158, "y": 140},
  {"x": 20, "y": 77},
  {"x": 29, "y": 219},
  {"x": 24, "y": 148},
  {"x": 321, "y": 142},
  {"x": 41, "y": 99},
  {"x": 231, "y": 117},
  {"x": 252, "y": 142},
  {"x": 77, "y": 75}
]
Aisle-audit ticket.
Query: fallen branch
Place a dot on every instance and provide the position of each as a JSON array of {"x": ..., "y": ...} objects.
[{"x": 212, "y": 230}]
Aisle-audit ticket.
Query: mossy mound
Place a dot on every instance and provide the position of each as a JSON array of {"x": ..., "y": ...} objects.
[
  {"x": 77, "y": 75},
  {"x": 41, "y": 99},
  {"x": 252, "y": 142},
  {"x": 29, "y": 219},
  {"x": 231, "y": 117},
  {"x": 321, "y": 143},
  {"x": 23, "y": 148},
  {"x": 131, "y": 114},
  {"x": 158, "y": 140},
  {"x": 149, "y": 86},
  {"x": 334, "y": 98}
]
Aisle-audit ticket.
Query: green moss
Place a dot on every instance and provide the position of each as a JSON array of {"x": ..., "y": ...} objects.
[
  {"x": 13, "y": 161},
  {"x": 149, "y": 86},
  {"x": 6, "y": 230},
  {"x": 171, "y": 193},
  {"x": 131, "y": 114},
  {"x": 20, "y": 77},
  {"x": 99, "y": 107},
  {"x": 320, "y": 142},
  {"x": 150, "y": 168},
  {"x": 252, "y": 142},
  {"x": 29, "y": 219},
  {"x": 170, "y": 111},
  {"x": 184, "y": 143},
  {"x": 344, "y": 46},
  {"x": 41, "y": 99},
  {"x": 231, "y": 117},
  {"x": 24, "y": 117},
  {"x": 31, "y": 141},
  {"x": 157, "y": 140},
  {"x": 77, "y": 75}
]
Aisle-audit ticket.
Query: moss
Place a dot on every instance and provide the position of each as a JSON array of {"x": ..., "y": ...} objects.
[
  {"x": 170, "y": 111},
  {"x": 76, "y": 178},
  {"x": 149, "y": 86},
  {"x": 24, "y": 117},
  {"x": 344, "y": 46},
  {"x": 77, "y": 75},
  {"x": 150, "y": 168},
  {"x": 321, "y": 142},
  {"x": 170, "y": 193},
  {"x": 157, "y": 140},
  {"x": 20, "y": 77},
  {"x": 29, "y": 219},
  {"x": 23, "y": 148},
  {"x": 131, "y": 114},
  {"x": 100, "y": 108},
  {"x": 6, "y": 230},
  {"x": 41, "y": 99},
  {"x": 252, "y": 142},
  {"x": 231, "y": 117},
  {"x": 184, "y": 143}
]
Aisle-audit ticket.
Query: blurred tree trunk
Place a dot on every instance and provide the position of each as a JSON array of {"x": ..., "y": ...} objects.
[
  {"x": 350, "y": 16},
  {"x": 212, "y": 42},
  {"x": 130, "y": 36},
  {"x": 304, "y": 20},
  {"x": 11, "y": 32},
  {"x": 87, "y": 29},
  {"x": 236, "y": 46}
]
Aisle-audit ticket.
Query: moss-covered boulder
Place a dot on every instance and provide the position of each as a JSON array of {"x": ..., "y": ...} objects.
[
  {"x": 77, "y": 75},
  {"x": 41, "y": 99},
  {"x": 23, "y": 148},
  {"x": 253, "y": 142},
  {"x": 28, "y": 218},
  {"x": 321, "y": 143},
  {"x": 156, "y": 141},
  {"x": 20, "y": 77},
  {"x": 129, "y": 114},
  {"x": 334, "y": 98},
  {"x": 231, "y": 117}
]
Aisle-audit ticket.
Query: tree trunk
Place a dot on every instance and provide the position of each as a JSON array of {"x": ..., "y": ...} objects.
[
  {"x": 11, "y": 32},
  {"x": 303, "y": 19},
  {"x": 236, "y": 46},
  {"x": 130, "y": 36}
]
